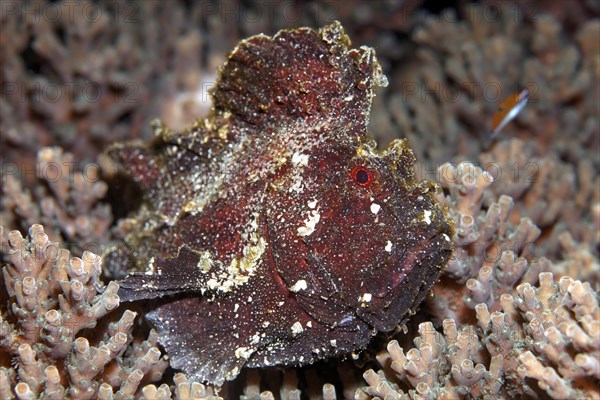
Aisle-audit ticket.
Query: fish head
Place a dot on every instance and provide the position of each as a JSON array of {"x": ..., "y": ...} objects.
[{"x": 355, "y": 236}]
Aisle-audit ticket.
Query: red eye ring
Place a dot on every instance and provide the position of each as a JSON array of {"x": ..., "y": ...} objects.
[{"x": 362, "y": 176}]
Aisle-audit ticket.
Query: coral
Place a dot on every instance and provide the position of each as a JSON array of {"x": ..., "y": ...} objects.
[
  {"x": 58, "y": 93},
  {"x": 184, "y": 389},
  {"x": 547, "y": 160},
  {"x": 543, "y": 184},
  {"x": 463, "y": 67},
  {"x": 48, "y": 347},
  {"x": 65, "y": 200},
  {"x": 491, "y": 254},
  {"x": 439, "y": 366},
  {"x": 444, "y": 86},
  {"x": 553, "y": 195},
  {"x": 54, "y": 93},
  {"x": 578, "y": 259},
  {"x": 549, "y": 333}
]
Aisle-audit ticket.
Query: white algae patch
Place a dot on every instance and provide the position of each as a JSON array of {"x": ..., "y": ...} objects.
[
  {"x": 375, "y": 208},
  {"x": 300, "y": 159},
  {"x": 298, "y": 286},
  {"x": 309, "y": 224},
  {"x": 427, "y": 216},
  {"x": 297, "y": 328}
]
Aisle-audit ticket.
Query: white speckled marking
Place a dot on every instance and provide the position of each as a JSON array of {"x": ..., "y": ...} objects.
[
  {"x": 297, "y": 186},
  {"x": 205, "y": 262},
  {"x": 238, "y": 272},
  {"x": 375, "y": 208},
  {"x": 300, "y": 159},
  {"x": 255, "y": 338},
  {"x": 297, "y": 328},
  {"x": 309, "y": 224},
  {"x": 298, "y": 286},
  {"x": 388, "y": 246},
  {"x": 243, "y": 352},
  {"x": 366, "y": 298},
  {"x": 427, "y": 216}
]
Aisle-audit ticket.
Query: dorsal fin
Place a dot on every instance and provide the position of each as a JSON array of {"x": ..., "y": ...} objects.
[{"x": 300, "y": 73}]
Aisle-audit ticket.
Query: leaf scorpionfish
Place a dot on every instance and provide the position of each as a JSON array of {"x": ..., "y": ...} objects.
[{"x": 272, "y": 231}]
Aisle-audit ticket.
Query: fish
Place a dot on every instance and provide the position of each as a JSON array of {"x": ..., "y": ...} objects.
[
  {"x": 273, "y": 232},
  {"x": 508, "y": 110}
]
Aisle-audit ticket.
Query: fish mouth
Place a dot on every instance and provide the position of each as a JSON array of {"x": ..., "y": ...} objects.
[
  {"x": 409, "y": 284},
  {"x": 426, "y": 249}
]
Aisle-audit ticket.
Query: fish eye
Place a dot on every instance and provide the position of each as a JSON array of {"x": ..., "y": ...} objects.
[{"x": 362, "y": 176}]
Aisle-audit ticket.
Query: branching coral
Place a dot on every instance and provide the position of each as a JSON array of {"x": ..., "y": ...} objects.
[
  {"x": 47, "y": 347},
  {"x": 66, "y": 201},
  {"x": 464, "y": 66},
  {"x": 57, "y": 92},
  {"x": 550, "y": 333},
  {"x": 54, "y": 93},
  {"x": 535, "y": 335},
  {"x": 184, "y": 390},
  {"x": 554, "y": 196},
  {"x": 491, "y": 254},
  {"x": 441, "y": 366}
]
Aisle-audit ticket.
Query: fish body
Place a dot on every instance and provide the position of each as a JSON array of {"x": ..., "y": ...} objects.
[{"x": 273, "y": 232}]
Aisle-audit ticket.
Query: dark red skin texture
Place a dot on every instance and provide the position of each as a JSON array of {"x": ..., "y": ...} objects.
[{"x": 264, "y": 244}]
